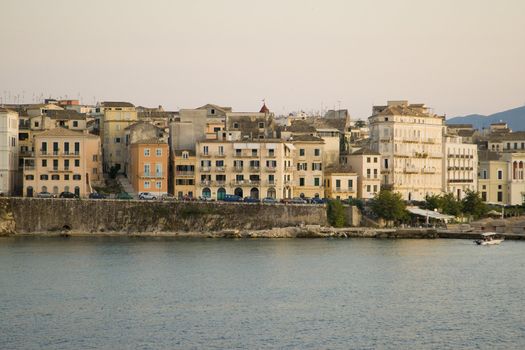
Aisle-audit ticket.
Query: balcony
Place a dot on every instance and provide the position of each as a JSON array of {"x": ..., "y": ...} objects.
[
  {"x": 270, "y": 183},
  {"x": 205, "y": 169},
  {"x": 429, "y": 170},
  {"x": 411, "y": 169},
  {"x": 460, "y": 181},
  {"x": 71, "y": 154},
  {"x": 254, "y": 169},
  {"x": 204, "y": 155},
  {"x": 341, "y": 189},
  {"x": 271, "y": 169},
  {"x": 219, "y": 183},
  {"x": 238, "y": 182},
  {"x": 220, "y": 169},
  {"x": 385, "y": 171},
  {"x": 151, "y": 175},
  {"x": 429, "y": 140},
  {"x": 237, "y": 169},
  {"x": 61, "y": 170},
  {"x": 411, "y": 139},
  {"x": 184, "y": 173},
  {"x": 205, "y": 183}
]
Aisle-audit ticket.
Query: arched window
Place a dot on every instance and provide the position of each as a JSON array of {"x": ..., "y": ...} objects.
[
  {"x": 55, "y": 189},
  {"x": 271, "y": 193},
  {"x": 44, "y": 188},
  {"x": 206, "y": 192},
  {"x": 29, "y": 191},
  {"x": 66, "y": 188},
  {"x": 254, "y": 193},
  {"x": 77, "y": 191},
  {"x": 238, "y": 192},
  {"x": 221, "y": 192}
]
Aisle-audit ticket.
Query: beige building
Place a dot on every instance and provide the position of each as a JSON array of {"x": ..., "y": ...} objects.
[
  {"x": 116, "y": 117},
  {"x": 409, "y": 139},
  {"x": 340, "y": 183},
  {"x": 460, "y": 166},
  {"x": 8, "y": 150},
  {"x": 367, "y": 164},
  {"x": 247, "y": 168},
  {"x": 184, "y": 165},
  {"x": 64, "y": 160},
  {"x": 308, "y": 170},
  {"x": 493, "y": 177}
]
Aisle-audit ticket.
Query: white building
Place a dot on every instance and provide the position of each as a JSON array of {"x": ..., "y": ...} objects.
[
  {"x": 460, "y": 166},
  {"x": 8, "y": 150},
  {"x": 409, "y": 139}
]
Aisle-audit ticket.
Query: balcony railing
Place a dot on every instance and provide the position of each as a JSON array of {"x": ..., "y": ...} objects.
[
  {"x": 271, "y": 168},
  {"x": 342, "y": 189},
  {"x": 185, "y": 173},
  {"x": 254, "y": 168},
  {"x": 205, "y": 155},
  {"x": 429, "y": 170},
  {"x": 460, "y": 181},
  {"x": 71, "y": 154},
  {"x": 152, "y": 175},
  {"x": 411, "y": 169},
  {"x": 238, "y": 169},
  {"x": 220, "y": 169},
  {"x": 205, "y": 169},
  {"x": 205, "y": 183}
]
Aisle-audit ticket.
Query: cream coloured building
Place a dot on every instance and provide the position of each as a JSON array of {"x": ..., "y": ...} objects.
[
  {"x": 409, "y": 139},
  {"x": 493, "y": 175},
  {"x": 116, "y": 117},
  {"x": 367, "y": 164},
  {"x": 340, "y": 183},
  {"x": 184, "y": 165},
  {"x": 8, "y": 150},
  {"x": 460, "y": 166},
  {"x": 64, "y": 160},
  {"x": 308, "y": 171},
  {"x": 247, "y": 168}
]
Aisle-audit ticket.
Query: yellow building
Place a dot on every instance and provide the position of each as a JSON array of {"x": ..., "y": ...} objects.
[
  {"x": 308, "y": 170},
  {"x": 117, "y": 116},
  {"x": 493, "y": 178},
  {"x": 340, "y": 183},
  {"x": 248, "y": 168},
  {"x": 64, "y": 161},
  {"x": 184, "y": 163},
  {"x": 367, "y": 164},
  {"x": 149, "y": 166}
]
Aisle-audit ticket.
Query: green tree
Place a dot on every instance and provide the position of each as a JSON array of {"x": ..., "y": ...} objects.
[
  {"x": 450, "y": 205},
  {"x": 336, "y": 213},
  {"x": 432, "y": 202},
  {"x": 389, "y": 206},
  {"x": 474, "y": 205}
]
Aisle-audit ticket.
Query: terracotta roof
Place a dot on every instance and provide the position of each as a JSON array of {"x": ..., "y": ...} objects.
[
  {"x": 65, "y": 114},
  {"x": 306, "y": 138},
  {"x": 344, "y": 169},
  {"x": 485, "y": 155},
  {"x": 300, "y": 126},
  {"x": 153, "y": 140},
  {"x": 64, "y": 132},
  {"x": 403, "y": 110},
  {"x": 509, "y": 136}
]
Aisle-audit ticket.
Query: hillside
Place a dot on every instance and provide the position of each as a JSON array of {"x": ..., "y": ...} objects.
[{"x": 515, "y": 118}]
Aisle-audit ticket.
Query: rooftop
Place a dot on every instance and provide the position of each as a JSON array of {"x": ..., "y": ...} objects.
[
  {"x": 116, "y": 104},
  {"x": 365, "y": 151}
]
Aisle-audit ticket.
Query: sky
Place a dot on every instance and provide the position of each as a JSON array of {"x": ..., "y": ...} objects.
[{"x": 457, "y": 56}]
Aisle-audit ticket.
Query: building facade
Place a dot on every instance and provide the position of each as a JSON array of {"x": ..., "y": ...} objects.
[
  {"x": 8, "y": 150},
  {"x": 64, "y": 161},
  {"x": 340, "y": 183},
  {"x": 308, "y": 171},
  {"x": 367, "y": 164},
  {"x": 148, "y": 168},
  {"x": 184, "y": 165},
  {"x": 460, "y": 166},
  {"x": 409, "y": 139}
]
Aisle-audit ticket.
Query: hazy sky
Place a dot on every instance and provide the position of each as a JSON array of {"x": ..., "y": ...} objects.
[{"x": 457, "y": 56}]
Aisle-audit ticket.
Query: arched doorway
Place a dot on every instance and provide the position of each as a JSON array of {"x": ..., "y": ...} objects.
[
  {"x": 66, "y": 188},
  {"x": 221, "y": 192},
  {"x": 254, "y": 193},
  {"x": 44, "y": 188},
  {"x": 77, "y": 191},
  {"x": 55, "y": 189},
  {"x": 238, "y": 192},
  {"x": 206, "y": 192},
  {"x": 271, "y": 193},
  {"x": 29, "y": 191}
]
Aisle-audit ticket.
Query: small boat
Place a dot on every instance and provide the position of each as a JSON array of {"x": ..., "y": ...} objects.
[{"x": 489, "y": 238}]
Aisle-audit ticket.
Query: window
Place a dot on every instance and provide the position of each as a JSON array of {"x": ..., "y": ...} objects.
[
  {"x": 375, "y": 173},
  {"x": 386, "y": 163},
  {"x": 484, "y": 196},
  {"x": 316, "y": 166},
  {"x": 77, "y": 148},
  {"x": 44, "y": 162},
  {"x": 261, "y": 125},
  {"x": 66, "y": 177},
  {"x": 185, "y": 155},
  {"x": 368, "y": 160},
  {"x": 146, "y": 184},
  {"x": 55, "y": 177},
  {"x": 37, "y": 124},
  {"x": 500, "y": 196},
  {"x": 254, "y": 153},
  {"x": 317, "y": 152},
  {"x": 301, "y": 181},
  {"x": 158, "y": 169},
  {"x": 95, "y": 158},
  {"x": 77, "y": 177},
  {"x": 316, "y": 181},
  {"x": 368, "y": 173},
  {"x": 30, "y": 177},
  {"x": 236, "y": 125},
  {"x": 238, "y": 152},
  {"x": 205, "y": 150},
  {"x": 95, "y": 171},
  {"x": 55, "y": 164},
  {"x": 75, "y": 124},
  {"x": 500, "y": 174},
  {"x": 158, "y": 185},
  {"x": 77, "y": 162},
  {"x": 368, "y": 188},
  {"x": 375, "y": 188},
  {"x": 146, "y": 169},
  {"x": 271, "y": 153},
  {"x": 338, "y": 183},
  {"x": 375, "y": 159},
  {"x": 301, "y": 152},
  {"x": 159, "y": 152},
  {"x": 146, "y": 152},
  {"x": 302, "y": 166},
  {"x": 44, "y": 177},
  {"x": 350, "y": 183}
]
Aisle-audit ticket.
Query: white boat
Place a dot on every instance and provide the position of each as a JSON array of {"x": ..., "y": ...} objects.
[{"x": 490, "y": 238}]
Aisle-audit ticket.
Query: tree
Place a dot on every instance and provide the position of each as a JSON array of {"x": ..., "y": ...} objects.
[
  {"x": 432, "y": 202},
  {"x": 389, "y": 206},
  {"x": 336, "y": 213},
  {"x": 360, "y": 123},
  {"x": 474, "y": 205},
  {"x": 450, "y": 205}
]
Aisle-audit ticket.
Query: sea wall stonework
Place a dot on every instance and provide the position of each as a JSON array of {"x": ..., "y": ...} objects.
[{"x": 33, "y": 215}]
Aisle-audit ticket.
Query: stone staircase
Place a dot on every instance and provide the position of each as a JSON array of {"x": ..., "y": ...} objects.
[{"x": 126, "y": 186}]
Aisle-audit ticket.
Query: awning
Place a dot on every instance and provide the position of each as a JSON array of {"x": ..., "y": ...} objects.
[{"x": 430, "y": 213}]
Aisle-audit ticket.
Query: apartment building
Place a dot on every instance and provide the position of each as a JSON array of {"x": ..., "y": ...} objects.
[
  {"x": 367, "y": 164},
  {"x": 64, "y": 160},
  {"x": 460, "y": 166},
  {"x": 409, "y": 139},
  {"x": 184, "y": 165},
  {"x": 308, "y": 170},
  {"x": 148, "y": 166},
  {"x": 248, "y": 168},
  {"x": 8, "y": 150},
  {"x": 116, "y": 117},
  {"x": 340, "y": 183},
  {"x": 493, "y": 183}
]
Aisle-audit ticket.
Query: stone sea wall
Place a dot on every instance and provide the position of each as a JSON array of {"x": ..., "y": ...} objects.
[{"x": 32, "y": 215}]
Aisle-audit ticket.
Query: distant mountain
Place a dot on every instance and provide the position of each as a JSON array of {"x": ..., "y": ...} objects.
[{"x": 515, "y": 118}]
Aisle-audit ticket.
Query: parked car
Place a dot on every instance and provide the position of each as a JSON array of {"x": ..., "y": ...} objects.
[
  {"x": 44, "y": 195},
  {"x": 251, "y": 200},
  {"x": 206, "y": 199},
  {"x": 168, "y": 197},
  {"x": 187, "y": 198},
  {"x": 232, "y": 198},
  {"x": 123, "y": 195},
  {"x": 269, "y": 200},
  {"x": 147, "y": 196},
  {"x": 67, "y": 194},
  {"x": 298, "y": 200},
  {"x": 97, "y": 195},
  {"x": 317, "y": 200},
  {"x": 286, "y": 200}
]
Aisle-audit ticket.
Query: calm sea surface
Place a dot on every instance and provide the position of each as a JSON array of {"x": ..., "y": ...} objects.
[{"x": 119, "y": 293}]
